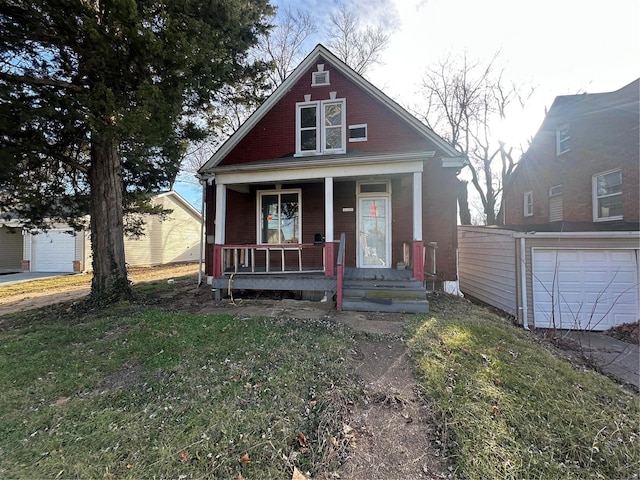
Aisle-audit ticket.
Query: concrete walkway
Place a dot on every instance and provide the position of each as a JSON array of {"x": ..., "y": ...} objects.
[
  {"x": 11, "y": 278},
  {"x": 615, "y": 358}
]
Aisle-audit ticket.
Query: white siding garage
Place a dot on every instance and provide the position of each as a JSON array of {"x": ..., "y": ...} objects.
[
  {"x": 592, "y": 289},
  {"x": 53, "y": 251}
]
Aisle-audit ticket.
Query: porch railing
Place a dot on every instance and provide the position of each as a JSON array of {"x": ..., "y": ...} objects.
[
  {"x": 243, "y": 259},
  {"x": 340, "y": 273}
]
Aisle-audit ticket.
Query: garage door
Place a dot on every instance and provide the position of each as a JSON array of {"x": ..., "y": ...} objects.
[
  {"x": 53, "y": 251},
  {"x": 585, "y": 289}
]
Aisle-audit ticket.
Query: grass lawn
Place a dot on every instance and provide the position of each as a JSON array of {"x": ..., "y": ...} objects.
[
  {"x": 137, "y": 392},
  {"x": 508, "y": 409}
]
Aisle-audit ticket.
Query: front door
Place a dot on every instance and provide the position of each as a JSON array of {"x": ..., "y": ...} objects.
[{"x": 374, "y": 222}]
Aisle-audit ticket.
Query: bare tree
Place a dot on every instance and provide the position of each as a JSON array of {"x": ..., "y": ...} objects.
[
  {"x": 285, "y": 44},
  {"x": 357, "y": 45},
  {"x": 462, "y": 99}
]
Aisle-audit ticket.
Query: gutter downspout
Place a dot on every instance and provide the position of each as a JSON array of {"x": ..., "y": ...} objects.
[{"x": 523, "y": 286}]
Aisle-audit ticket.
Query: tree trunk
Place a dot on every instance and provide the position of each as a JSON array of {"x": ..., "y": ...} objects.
[
  {"x": 110, "y": 281},
  {"x": 463, "y": 203}
]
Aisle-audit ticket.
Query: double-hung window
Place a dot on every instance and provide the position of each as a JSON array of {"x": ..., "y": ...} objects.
[
  {"x": 280, "y": 220},
  {"x": 607, "y": 196},
  {"x": 320, "y": 127}
]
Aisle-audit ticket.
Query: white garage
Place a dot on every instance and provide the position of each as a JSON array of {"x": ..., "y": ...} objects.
[
  {"x": 53, "y": 251},
  {"x": 591, "y": 289}
]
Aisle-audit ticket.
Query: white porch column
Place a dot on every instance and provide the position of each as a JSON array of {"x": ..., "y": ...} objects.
[
  {"x": 417, "y": 206},
  {"x": 329, "y": 246},
  {"x": 328, "y": 209},
  {"x": 221, "y": 210}
]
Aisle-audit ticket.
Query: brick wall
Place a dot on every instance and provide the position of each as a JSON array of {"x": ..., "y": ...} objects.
[{"x": 600, "y": 141}]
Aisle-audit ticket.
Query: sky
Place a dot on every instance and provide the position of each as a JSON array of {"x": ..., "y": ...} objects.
[{"x": 556, "y": 47}]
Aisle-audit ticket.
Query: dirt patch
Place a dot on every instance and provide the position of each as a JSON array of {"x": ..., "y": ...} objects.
[
  {"x": 393, "y": 436},
  {"x": 128, "y": 376}
]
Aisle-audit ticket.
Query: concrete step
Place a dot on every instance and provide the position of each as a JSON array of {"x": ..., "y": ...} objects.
[
  {"x": 386, "y": 292},
  {"x": 364, "y": 304},
  {"x": 380, "y": 289}
]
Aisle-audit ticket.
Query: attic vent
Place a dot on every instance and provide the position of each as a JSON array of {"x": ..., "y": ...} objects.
[{"x": 320, "y": 77}]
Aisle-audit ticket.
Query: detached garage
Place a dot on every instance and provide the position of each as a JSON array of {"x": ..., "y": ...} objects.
[
  {"x": 585, "y": 289},
  {"x": 53, "y": 251},
  {"x": 571, "y": 280}
]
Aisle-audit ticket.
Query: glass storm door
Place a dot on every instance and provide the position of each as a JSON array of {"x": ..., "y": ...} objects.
[{"x": 374, "y": 243}]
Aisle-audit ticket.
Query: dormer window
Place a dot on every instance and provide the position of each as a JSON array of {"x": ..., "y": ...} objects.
[
  {"x": 563, "y": 139},
  {"x": 320, "y": 77},
  {"x": 320, "y": 127}
]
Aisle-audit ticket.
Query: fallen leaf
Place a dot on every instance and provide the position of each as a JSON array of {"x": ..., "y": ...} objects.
[
  {"x": 495, "y": 409},
  {"x": 312, "y": 403},
  {"x": 240, "y": 477},
  {"x": 60, "y": 401},
  {"x": 297, "y": 475},
  {"x": 244, "y": 459},
  {"x": 501, "y": 348},
  {"x": 184, "y": 456},
  {"x": 302, "y": 440}
]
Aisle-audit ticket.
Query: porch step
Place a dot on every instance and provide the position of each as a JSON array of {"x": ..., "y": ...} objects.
[
  {"x": 407, "y": 295},
  {"x": 364, "y": 304},
  {"x": 410, "y": 289}
]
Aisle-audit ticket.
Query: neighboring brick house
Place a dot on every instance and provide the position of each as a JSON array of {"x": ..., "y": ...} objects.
[
  {"x": 328, "y": 153},
  {"x": 569, "y": 254},
  {"x": 582, "y": 165}
]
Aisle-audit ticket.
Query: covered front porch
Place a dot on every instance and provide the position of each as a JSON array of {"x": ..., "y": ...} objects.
[{"x": 285, "y": 220}]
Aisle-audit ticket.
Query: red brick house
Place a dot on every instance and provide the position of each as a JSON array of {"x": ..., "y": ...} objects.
[
  {"x": 581, "y": 170},
  {"x": 571, "y": 243},
  {"x": 329, "y": 154}
]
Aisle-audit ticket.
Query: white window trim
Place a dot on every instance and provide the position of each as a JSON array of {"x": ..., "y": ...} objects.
[
  {"x": 559, "y": 150},
  {"x": 315, "y": 75},
  {"x": 299, "y": 107},
  {"x": 556, "y": 190},
  {"x": 359, "y": 139},
  {"x": 595, "y": 197},
  {"x": 260, "y": 194},
  {"x": 527, "y": 207},
  {"x": 320, "y": 127}
]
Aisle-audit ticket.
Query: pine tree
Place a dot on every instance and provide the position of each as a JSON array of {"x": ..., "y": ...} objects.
[{"x": 98, "y": 99}]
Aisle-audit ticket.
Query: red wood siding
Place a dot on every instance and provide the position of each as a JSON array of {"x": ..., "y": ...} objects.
[{"x": 274, "y": 136}]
